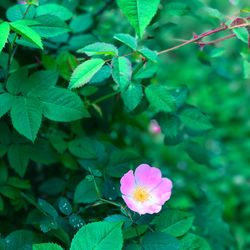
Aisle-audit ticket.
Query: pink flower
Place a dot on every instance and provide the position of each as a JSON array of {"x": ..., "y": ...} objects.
[
  {"x": 22, "y": 2},
  {"x": 145, "y": 191},
  {"x": 154, "y": 127}
]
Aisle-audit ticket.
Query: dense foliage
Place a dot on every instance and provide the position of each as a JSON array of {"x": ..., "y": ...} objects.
[{"x": 81, "y": 82}]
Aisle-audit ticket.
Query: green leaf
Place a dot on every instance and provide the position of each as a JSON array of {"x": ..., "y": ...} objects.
[
  {"x": 65, "y": 206},
  {"x": 160, "y": 241},
  {"x": 76, "y": 221},
  {"x": 50, "y": 26},
  {"x": 5, "y": 103},
  {"x": 18, "y": 156},
  {"x": 61, "y": 105},
  {"x": 17, "y": 80},
  {"x": 86, "y": 148},
  {"x": 84, "y": 72},
  {"x": 81, "y": 23},
  {"x": 4, "y": 31},
  {"x": 160, "y": 98},
  {"x": 149, "y": 54},
  {"x": 40, "y": 80},
  {"x": 147, "y": 70},
  {"x": 21, "y": 240},
  {"x": 194, "y": 242},
  {"x": 47, "y": 208},
  {"x": 242, "y": 34},
  {"x": 171, "y": 127},
  {"x": 127, "y": 40},
  {"x": 54, "y": 10},
  {"x": 210, "y": 225},
  {"x": 132, "y": 96},
  {"x": 198, "y": 153},
  {"x": 121, "y": 72},
  {"x": 16, "y": 12},
  {"x": 26, "y": 116},
  {"x": 194, "y": 119},
  {"x": 86, "y": 191},
  {"x": 27, "y": 32},
  {"x": 174, "y": 222},
  {"x": 99, "y": 49},
  {"x": 3, "y": 174},
  {"x": 46, "y": 246},
  {"x": 98, "y": 236},
  {"x": 139, "y": 12}
]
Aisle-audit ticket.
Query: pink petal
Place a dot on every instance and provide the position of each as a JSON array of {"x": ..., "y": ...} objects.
[
  {"x": 163, "y": 191},
  {"x": 128, "y": 183},
  {"x": 147, "y": 176},
  {"x": 132, "y": 204}
]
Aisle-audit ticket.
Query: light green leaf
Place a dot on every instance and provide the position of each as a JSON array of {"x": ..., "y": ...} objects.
[
  {"x": 27, "y": 32},
  {"x": 242, "y": 34},
  {"x": 126, "y": 39},
  {"x": 4, "y": 31},
  {"x": 86, "y": 191},
  {"x": 18, "y": 158},
  {"x": 5, "y": 103},
  {"x": 160, "y": 241},
  {"x": 84, "y": 72},
  {"x": 26, "y": 116},
  {"x": 122, "y": 71},
  {"x": 139, "y": 12},
  {"x": 98, "y": 236},
  {"x": 99, "y": 49},
  {"x": 61, "y": 104},
  {"x": 148, "y": 70},
  {"x": 46, "y": 246},
  {"x": 174, "y": 222},
  {"x": 132, "y": 96},
  {"x": 55, "y": 10},
  {"x": 149, "y": 54}
]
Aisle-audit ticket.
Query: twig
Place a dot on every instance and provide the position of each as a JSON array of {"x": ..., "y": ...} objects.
[{"x": 197, "y": 38}]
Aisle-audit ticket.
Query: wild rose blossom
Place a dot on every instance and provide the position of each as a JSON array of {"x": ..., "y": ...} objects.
[
  {"x": 145, "y": 191},
  {"x": 154, "y": 127}
]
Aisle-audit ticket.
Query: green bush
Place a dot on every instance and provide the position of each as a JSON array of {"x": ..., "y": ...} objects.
[{"x": 91, "y": 89}]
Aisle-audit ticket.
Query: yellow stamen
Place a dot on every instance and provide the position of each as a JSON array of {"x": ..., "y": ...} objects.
[{"x": 141, "y": 194}]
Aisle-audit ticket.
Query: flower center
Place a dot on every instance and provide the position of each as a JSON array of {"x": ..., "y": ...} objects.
[{"x": 141, "y": 194}]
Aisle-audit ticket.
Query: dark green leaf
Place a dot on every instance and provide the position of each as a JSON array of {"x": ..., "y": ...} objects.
[
  {"x": 174, "y": 222},
  {"x": 26, "y": 116},
  {"x": 160, "y": 241}
]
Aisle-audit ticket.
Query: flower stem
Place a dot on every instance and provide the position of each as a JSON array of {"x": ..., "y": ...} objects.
[
  {"x": 103, "y": 98},
  {"x": 13, "y": 50}
]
